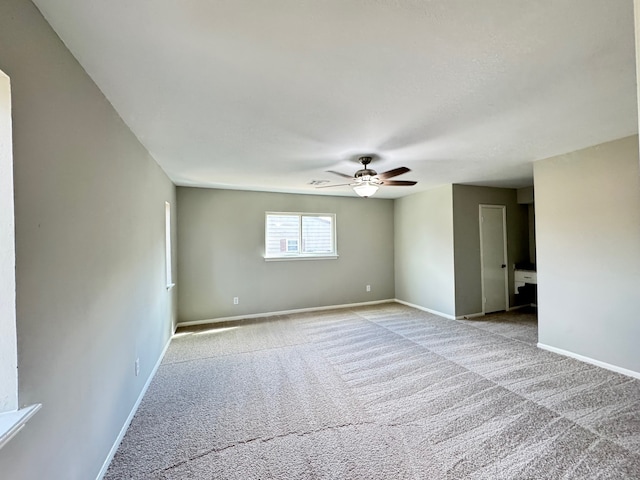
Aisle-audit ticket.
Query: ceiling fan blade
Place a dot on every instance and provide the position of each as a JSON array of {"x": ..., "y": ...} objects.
[
  {"x": 393, "y": 173},
  {"x": 341, "y": 174},
  {"x": 399, "y": 183},
  {"x": 337, "y": 185}
]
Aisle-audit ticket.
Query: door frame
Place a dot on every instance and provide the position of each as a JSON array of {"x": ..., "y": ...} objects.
[{"x": 503, "y": 208}]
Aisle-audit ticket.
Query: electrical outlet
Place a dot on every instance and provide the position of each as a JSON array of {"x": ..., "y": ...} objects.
[
  {"x": 368, "y": 288},
  {"x": 236, "y": 300},
  {"x": 137, "y": 366}
]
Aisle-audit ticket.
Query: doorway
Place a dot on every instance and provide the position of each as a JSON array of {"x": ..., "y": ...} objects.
[{"x": 493, "y": 258}]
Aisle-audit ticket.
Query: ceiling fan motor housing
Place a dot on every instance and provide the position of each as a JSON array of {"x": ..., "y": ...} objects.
[{"x": 365, "y": 172}]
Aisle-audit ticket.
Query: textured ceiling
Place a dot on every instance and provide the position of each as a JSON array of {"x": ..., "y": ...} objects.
[{"x": 269, "y": 95}]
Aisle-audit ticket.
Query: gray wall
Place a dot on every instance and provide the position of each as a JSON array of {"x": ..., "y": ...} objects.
[
  {"x": 424, "y": 270},
  {"x": 588, "y": 239},
  {"x": 91, "y": 294},
  {"x": 466, "y": 235},
  {"x": 221, "y": 248}
]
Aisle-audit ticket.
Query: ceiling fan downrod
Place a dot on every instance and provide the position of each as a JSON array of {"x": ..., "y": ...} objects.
[{"x": 365, "y": 171}]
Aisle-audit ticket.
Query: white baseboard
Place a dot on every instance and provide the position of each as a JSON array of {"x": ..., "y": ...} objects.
[
  {"x": 597, "y": 363},
  {"x": 469, "y": 316},
  {"x": 282, "y": 312},
  {"x": 425, "y": 309},
  {"x": 127, "y": 422}
]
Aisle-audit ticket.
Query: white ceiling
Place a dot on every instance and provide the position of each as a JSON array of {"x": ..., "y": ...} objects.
[{"x": 268, "y": 95}]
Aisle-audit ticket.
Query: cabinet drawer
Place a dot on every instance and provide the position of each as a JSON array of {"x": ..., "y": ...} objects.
[{"x": 525, "y": 276}]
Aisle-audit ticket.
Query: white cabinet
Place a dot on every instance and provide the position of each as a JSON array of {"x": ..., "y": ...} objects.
[{"x": 522, "y": 277}]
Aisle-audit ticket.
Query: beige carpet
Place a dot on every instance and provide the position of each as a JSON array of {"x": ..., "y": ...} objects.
[{"x": 383, "y": 392}]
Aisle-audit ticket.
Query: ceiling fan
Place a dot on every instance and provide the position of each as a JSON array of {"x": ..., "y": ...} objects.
[{"x": 365, "y": 182}]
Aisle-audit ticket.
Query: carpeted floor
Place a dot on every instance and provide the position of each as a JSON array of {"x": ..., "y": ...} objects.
[{"x": 381, "y": 392}]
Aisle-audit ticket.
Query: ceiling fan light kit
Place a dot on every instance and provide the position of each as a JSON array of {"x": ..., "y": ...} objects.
[
  {"x": 365, "y": 189},
  {"x": 367, "y": 181}
]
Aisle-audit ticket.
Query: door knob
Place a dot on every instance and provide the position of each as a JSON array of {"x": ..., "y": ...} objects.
[{"x": 504, "y": 266}]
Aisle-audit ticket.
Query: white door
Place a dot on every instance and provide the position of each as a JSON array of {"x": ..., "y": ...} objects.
[{"x": 493, "y": 257}]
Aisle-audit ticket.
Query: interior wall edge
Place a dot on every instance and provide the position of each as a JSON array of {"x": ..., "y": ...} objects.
[{"x": 588, "y": 252}]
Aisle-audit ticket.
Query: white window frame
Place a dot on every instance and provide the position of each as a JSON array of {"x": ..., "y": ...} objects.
[
  {"x": 12, "y": 417},
  {"x": 299, "y": 255},
  {"x": 168, "y": 259}
]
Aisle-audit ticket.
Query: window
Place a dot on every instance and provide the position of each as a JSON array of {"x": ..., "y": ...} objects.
[
  {"x": 12, "y": 419},
  {"x": 167, "y": 245},
  {"x": 300, "y": 235},
  {"x": 8, "y": 346}
]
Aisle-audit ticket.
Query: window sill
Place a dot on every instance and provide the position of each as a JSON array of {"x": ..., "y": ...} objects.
[
  {"x": 301, "y": 257},
  {"x": 12, "y": 422}
]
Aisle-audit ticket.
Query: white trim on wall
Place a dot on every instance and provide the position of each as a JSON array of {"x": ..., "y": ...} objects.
[
  {"x": 282, "y": 312},
  {"x": 12, "y": 417},
  {"x": 125, "y": 427},
  {"x": 8, "y": 338},
  {"x": 597, "y": 363},
  {"x": 425, "y": 309},
  {"x": 12, "y": 422},
  {"x": 167, "y": 246}
]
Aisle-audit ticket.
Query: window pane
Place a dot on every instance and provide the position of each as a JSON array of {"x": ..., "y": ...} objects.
[
  {"x": 292, "y": 246},
  {"x": 317, "y": 234},
  {"x": 283, "y": 232}
]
